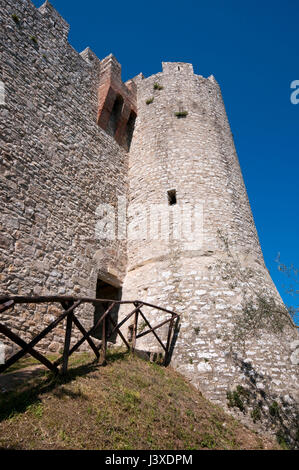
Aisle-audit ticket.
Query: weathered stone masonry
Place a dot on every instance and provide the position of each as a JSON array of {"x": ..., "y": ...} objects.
[
  {"x": 66, "y": 128},
  {"x": 215, "y": 282},
  {"x": 57, "y": 166}
]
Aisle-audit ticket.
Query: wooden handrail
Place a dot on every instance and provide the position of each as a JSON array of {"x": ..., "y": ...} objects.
[{"x": 69, "y": 304}]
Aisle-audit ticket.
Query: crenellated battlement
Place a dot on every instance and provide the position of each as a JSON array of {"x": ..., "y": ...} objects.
[
  {"x": 54, "y": 19},
  {"x": 177, "y": 67},
  {"x": 46, "y": 29},
  {"x": 90, "y": 57},
  {"x": 177, "y": 70}
]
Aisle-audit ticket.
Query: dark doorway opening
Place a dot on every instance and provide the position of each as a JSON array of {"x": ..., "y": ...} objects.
[
  {"x": 115, "y": 115},
  {"x": 109, "y": 292}
]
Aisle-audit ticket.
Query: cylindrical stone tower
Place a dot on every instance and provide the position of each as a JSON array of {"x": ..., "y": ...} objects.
[{"x": 193, "y": 245}]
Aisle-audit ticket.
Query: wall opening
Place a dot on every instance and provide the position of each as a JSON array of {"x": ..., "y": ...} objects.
[
  {"x": 130, "y": 129},
  {"x": 115, "y": 115},
  {"x": 171, "y": 194},
  {"x": 109, "y": 292}
]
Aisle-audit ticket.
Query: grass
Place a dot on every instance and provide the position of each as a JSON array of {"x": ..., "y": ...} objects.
[
  {"x": 181, "y": 114},
  {"x": 27, "y": 361},
  {"x": 34, "y": 40},
  {"x": 15, "y": 18},
  {"x": 128, "y": 404}
]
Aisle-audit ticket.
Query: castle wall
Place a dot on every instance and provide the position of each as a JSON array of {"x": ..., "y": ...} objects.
[
  {"x": 57, "y": 166},
  {"x": 215, "y": 281}
]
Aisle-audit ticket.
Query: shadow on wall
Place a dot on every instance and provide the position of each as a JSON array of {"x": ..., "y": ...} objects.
[
  {"x": 274, "y": 412},
  {"x": 129, "y": 130},
  {"x": 119, "y": 127},
  {"x": 159, "y": 357},
  {"x": 175, "y": 335},
  {"x": 115, "y": 116}
]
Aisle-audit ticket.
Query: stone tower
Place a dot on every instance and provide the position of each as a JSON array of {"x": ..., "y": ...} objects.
[{"x": 193, "y": 245}]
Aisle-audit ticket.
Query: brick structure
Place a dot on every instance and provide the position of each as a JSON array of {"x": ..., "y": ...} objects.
[
  {"x": 117, "y": 103},
  {"x": 77, "y": 141}
]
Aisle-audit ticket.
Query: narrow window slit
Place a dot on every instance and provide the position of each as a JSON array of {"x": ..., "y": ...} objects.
[{"x": 171, "y": 194}]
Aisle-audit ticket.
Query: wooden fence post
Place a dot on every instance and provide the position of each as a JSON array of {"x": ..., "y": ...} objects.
[
  {"x": 67, "y": 339},
  {"x": 134, "y": 331},
  {"x": 168, "y": 342},
  {"x": 104, "y": 343}
]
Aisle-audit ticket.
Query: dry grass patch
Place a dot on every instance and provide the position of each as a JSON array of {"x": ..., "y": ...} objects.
[{"x": 129, "y": 404}]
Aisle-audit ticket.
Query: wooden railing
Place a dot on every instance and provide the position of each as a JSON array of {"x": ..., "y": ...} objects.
[{"x": 69, "y": 305}]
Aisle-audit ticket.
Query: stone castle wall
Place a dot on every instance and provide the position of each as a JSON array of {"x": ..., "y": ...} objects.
[{"x": 57, "y": 166}]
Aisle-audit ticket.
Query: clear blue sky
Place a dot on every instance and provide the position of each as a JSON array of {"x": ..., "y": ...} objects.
[{"x": 252, "y": 50}]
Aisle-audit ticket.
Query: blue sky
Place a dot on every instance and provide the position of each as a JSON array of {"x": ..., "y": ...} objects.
[{"x": 252, "y": 50}]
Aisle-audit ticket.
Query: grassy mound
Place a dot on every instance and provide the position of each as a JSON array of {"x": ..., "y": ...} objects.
[{"x": 128, "y": 404}]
